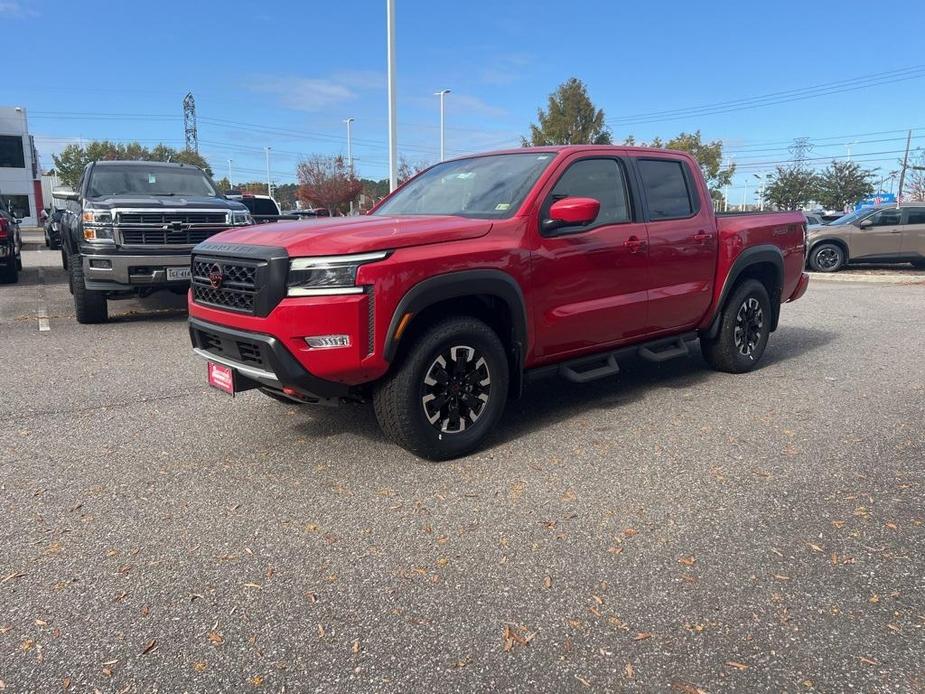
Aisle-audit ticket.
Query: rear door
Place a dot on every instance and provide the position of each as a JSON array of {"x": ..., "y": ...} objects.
[
  {"x": 590, "y": 281},
  {"x": 879, "y": 240},
  {"x": 913, "y": 243},
  {"x": 682, "y": 242}
]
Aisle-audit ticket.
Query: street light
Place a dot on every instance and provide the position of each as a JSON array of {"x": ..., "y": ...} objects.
[
  {"x": 269, "y": 190},
  {"x": 393, "y": 124},
  {"x": 442, "y": 93},
  {"x": 348, "y": 121},
  {"x": 229, "y": 173}
]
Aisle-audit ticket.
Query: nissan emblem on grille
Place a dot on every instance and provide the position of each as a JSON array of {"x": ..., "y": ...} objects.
[{"x": 215, "y": 276}]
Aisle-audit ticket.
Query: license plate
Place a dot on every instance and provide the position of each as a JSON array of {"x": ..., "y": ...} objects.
[
  {"x": 221, "y": 377},
  {"x": 178, "y": 273}
]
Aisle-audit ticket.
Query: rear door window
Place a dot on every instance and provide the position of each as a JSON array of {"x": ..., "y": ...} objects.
[
  {"x": 666, "y": 189},
  {"x": 915, "y": 216}
]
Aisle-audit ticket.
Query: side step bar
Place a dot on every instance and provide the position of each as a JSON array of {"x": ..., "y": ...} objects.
[{"x": 595, "y": 366}]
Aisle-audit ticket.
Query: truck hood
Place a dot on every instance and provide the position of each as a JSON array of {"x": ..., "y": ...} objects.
[
  {"x": 158, "y": 202},
  {"x": 346, "y": 235}
]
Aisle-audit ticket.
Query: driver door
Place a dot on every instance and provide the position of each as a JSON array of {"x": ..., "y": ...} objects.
[
  {"x": 879, "y": 236},
  {"x": 590, "y": 282}
]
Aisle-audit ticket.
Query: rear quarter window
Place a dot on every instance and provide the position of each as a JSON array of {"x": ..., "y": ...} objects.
[{"x": 666, "y": 187}]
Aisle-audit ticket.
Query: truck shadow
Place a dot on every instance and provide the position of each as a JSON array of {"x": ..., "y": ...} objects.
[{"x": 548, "y": 402}]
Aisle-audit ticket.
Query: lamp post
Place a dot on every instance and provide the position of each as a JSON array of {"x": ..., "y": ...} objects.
[
  {"x": 442, "y": 93},
  {"x": 269, "y": 189},
  {"x": 229, "y": 174},
  {"x": 348, "y": 121},
  {"x": 393, "y": 124}
]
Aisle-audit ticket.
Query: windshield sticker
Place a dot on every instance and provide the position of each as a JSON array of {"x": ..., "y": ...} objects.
[
  {"x": 501, "y": 206},
  {"x": 151, "y": 178}
]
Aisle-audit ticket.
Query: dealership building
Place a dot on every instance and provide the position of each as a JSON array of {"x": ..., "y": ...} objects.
[{"x": 20, "y": 184}]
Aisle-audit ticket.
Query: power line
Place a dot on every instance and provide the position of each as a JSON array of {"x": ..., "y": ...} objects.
[{"x": 774, "y": 98}]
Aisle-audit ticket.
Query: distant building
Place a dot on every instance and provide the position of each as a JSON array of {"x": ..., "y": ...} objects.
[{"x": 20, "y": 184}]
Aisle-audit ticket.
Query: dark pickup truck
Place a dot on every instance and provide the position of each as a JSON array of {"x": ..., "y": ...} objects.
[
  {"x": 129, "y": 227},
  {"x": 484, "y": 272}
]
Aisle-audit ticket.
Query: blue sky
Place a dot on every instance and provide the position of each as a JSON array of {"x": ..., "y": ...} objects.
[{"x": 286, "y": 74}]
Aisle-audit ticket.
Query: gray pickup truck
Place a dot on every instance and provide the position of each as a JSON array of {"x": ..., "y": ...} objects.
[{"x": 129, "y": 227}]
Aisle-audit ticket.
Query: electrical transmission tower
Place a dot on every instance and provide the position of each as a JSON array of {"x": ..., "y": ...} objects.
[
  {"x": 800, "y": 149},
  {"x": 189, "y": 123}
]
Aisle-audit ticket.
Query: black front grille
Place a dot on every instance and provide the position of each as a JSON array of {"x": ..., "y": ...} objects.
[
  {"x": 243, "y": 351},
  {"x": 225, "y": 282},
  {"x": 169, "y": 217},
  {"x": 167, "y": 237}
]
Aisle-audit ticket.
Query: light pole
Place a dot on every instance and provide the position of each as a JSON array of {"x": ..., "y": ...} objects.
[
  {"x": 229, "y": 174},
  {"x": 348, "y": 121},
  {"x": 745, "y": 194},
  {"x": 442, "y": 93},
  {"x": 393, "y": 124},
  {"x": 760, "y": 192},
  {"x": 269, "y": 189}
]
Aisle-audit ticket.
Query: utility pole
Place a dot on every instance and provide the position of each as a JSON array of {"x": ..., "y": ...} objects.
[
  {"x": 269, "y": 189},
  {"x": 745, "y": 195},
  {"x": 348, "y": 121},
  {"x": 902, "y": 174},
  {"x": 442, "y": 93},
  {"x": 393, "y": 124},
  {"x": 229, "y": 174}
]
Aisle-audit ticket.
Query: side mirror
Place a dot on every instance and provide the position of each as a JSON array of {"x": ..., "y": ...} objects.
[
  {"x": 571, "y": 212},
  {"x": 866, "y": 224},
  {"x": 65, "y": 194}
]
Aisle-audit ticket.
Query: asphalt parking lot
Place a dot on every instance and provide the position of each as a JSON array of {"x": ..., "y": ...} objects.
[{"x": 673, "y": 529}]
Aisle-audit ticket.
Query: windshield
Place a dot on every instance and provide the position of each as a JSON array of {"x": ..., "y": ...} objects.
[
  {"x": 157, "y": 180},
  {"x": 853, "y": 217},
  {"x": 490, "y": 187}
]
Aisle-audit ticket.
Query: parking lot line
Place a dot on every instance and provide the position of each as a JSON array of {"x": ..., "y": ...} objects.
[{"x": 44, "y": 325}]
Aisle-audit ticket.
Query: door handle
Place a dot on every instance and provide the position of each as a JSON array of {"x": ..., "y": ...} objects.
[
  {"x": 701, "y": 236},
  {"x": 634, "y": 244}
]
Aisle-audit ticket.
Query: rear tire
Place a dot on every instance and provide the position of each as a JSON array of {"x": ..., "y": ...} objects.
[
  {"x": 827, "y": 257},
  {"x": 447, "y": 392},
  {"x": 9, "y": 274},
  {"x": 89, "y": 305},
  {"x": 744, "y": 328}
]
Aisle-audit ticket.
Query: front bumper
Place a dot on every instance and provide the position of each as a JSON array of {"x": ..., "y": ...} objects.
[
  {"x": 261, "y": 359},
  {"x": 116, "y": 269}
]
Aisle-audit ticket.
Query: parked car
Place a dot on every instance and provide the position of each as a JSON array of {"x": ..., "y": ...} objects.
[
  {"x": 483, "y": 272},
  {"x": 53, "y": 229},
  {"x": 884, "y": 234},
  {"x": 813, "y": 219},
  {"x": 263, "y": 208},
  {"x": 10, "y": 248},
  {"x": 129, "y": 227},
  {"x": 830, "y": 216},
  {"x": 308, "y": 212}
]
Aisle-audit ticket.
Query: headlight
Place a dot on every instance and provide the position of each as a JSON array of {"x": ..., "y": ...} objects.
[
  {"x": 96, "y": 225},
  {"x": 95, "y": 217},
  {"x": 328, "y": 275},
  {"x": 241, "y": 218}
]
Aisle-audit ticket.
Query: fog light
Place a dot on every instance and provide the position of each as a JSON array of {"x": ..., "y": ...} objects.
[
  {"x": 104, "y": 264},
  {"x": 327, "y": 341}
]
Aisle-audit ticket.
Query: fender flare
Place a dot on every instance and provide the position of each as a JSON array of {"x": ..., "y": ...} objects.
[
  {"x": 765, "y": 253},
  {"x": 485, "y": 282}
]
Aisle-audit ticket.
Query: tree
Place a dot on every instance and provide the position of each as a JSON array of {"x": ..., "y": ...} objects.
[
  {"x": 790, "y": 188},
  {"x": 914, "y": 183},
  {"x": 73, "y": 159},
  {"x": 841, "y": 184},
  {"x": 327, "y": 182},
  {"x": 708, "y": 154},
  {"x": 223, "y": 184},
  {"x": 570, "y": 118}
]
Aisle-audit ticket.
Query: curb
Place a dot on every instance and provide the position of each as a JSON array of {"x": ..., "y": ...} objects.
[{"x": 866, "y": 279}]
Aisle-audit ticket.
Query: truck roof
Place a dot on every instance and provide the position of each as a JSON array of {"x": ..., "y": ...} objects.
[
  {"x": 143, "y": 162},
  {"x": 581, "y": 148}
]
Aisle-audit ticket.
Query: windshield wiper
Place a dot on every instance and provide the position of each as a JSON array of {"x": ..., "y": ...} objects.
[{"x": 163, "y": 194}]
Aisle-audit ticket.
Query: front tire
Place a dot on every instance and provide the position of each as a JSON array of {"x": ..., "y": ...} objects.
[
  {"x": 827, "y": 257},
  {"x": 89, "y": 306},
  {"x": 745, "y": 326},
  {"x": 448, "y": 391}
]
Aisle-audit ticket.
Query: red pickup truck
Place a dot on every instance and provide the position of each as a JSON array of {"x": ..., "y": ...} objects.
[{"x": 485, "y": 271}]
